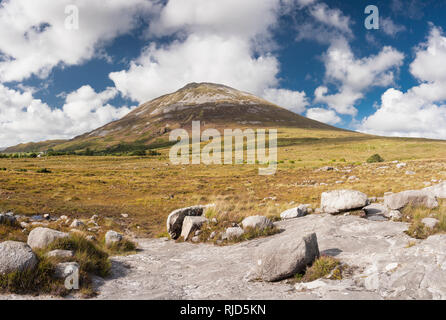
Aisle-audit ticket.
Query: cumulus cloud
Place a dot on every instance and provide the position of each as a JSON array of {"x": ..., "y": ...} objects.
[
  {"x": 323, "y": 115},
  {"x": 421, "y": 110},
  {"x": 215, "y": 41},
  {"x": 353, "y": 76},
  {"x": 33, "y": 37},
  {"x": 295, "y": 101},
  {"x": 24, "y": 118},
  {"x": 389, "y": 27}
]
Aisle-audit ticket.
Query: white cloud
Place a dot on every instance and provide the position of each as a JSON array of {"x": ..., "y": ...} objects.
[
  {"x": 353, "y": 76},
  {"x": 216, "y": 41},
  {"x": 331, "y": 17},
  {"x": 210, "y": 58},
  {"x": 323, "y": 24},
  {"x": 421, "y": 110},
  {"x": 323, "y": 115},
  {"x": 24, "y": 118},
  {"x": 389, "y": 27},
  {"x": 295, "y": 101},
  {"x": 33, "y": 37}
]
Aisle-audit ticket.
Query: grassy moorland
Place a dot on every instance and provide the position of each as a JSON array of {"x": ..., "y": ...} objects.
[{"x": 147, "y": 188}]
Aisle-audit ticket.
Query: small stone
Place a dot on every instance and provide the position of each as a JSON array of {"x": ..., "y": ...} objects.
[
  {"x": 232, "y": 233},
  {"x": 195, "y": 239},
  {"x": 212, "y": 235},
  {"x": 77, "y": 224},
  {"x": 401, "y": 165},
  {"x": 63, "y": 270},
  {"x": 430, "y": 223},
  {"x": 257, "y": 222},
  {"x": 60, "y": 254},
  {"x": 124, "y": 215}
]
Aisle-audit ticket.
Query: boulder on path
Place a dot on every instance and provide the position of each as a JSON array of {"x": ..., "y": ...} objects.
[
  {"x": 299, "y": 211},
  {"x": 16, "y": 256},
  {"x": 43, "y": 237},
  {"x": 190, "y": 225},
  {"x": 176, "y": 218},
  {"x": 257, "y": 222},
  {"x": 397, "y": 201},
  {"x": 285, "y": 256},
  {"x": 338, "y": 201}
]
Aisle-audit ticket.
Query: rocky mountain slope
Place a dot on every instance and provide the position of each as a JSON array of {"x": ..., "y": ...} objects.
[{"x": 214, "y": 105}]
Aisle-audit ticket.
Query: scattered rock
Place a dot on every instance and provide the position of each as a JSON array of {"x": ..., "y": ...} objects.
[
  {"x": 42, "y": 237},
  {"x": 190, "y": 225},
  {"x": 257, "y": 222},
  {"x": 342, "y": 200},
  {"x": 212, "y": 235},
  {"x": 124, "y": 215},
  {"x": 77, "y": 224},
  {"x": 232, "y": 233},
  {"x": 196, "y": 239},
  {"x": 46, "y": 216},
  {"x": 63, "y": 218},
  {"x": 393, "y": 214},
  {"x": 399, "y": 200},
  {"x": 285, "y": 256},
  {"x": 411, "y": 173},
  {"x": 401, "y": 165},
  {"x": 60, "y": 254},
  {"x": 112, "y": 237},
  {"x": 16, "y": 256},
  {"x": 7, "y": 218},
  {"x": 430, "y": 223},
  {"x": 175, "y": 219},
  {"x": 64, "y": 269},
  {"x": 299, "y": 211},
  {"x": 327, "y": 168}
]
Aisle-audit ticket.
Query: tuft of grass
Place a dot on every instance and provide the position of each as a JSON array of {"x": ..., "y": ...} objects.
[
  {"x": 323, "y": 266},
  {"x": 90, "y": 257},
  {"x": 415, "y": 214},
  {"x": 125, "y": 246},
  {"x": 375, "y": 158},
  {"x": 36, "y": 281},
  {"x": 43, "y": 170}
]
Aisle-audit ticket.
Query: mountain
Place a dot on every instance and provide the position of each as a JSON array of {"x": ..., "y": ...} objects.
[{"x": 215, "y": 105}]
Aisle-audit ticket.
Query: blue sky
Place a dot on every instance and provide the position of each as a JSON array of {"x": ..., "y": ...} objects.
[{"x": 70, "y": 66}]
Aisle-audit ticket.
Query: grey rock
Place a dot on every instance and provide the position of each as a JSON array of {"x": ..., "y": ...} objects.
[
  {"x": 342, "y": 200},
  {"x": 376, "y": 209},
  {"x": 232, "y": 233},
  {"x": 190, "y": 225},
  {"x": 393, "y": 214},
  {"x": 430, "y": 223},
  {"x": 64, "y": 269},
  {"x": 299, "y": 211},
  {"x": 282, "y": 258},
  {"x": 8, "y": 219},
  {"x": 257, "y": 222},
  {"x": 438, "y": 190},
  {"x": 195, "y": 239},
  {"x": 176, "y": 218},
  {"x": 77, "y": 224},
  {"x": 60, "y": 254},
  {"x": 399, "y": 200},
  {"x": 42, "y": 237},
  {"x": 16, "y": 256},
  {"x": 112, "y": 237},
  {"x": 212, "y": 235}
]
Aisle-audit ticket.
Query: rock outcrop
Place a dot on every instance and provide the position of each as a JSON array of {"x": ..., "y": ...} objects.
[{"x": 397, "y": 201}]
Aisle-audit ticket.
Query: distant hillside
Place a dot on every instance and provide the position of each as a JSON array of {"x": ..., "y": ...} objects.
[{"x": 215, "y": 105}]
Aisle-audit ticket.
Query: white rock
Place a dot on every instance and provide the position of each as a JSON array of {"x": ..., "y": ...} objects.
[
  {"x": 296, "y": 212},
  {"x": 401, "y": 165},
  {"x": 64, "y": 269},
  {"x": 232, "y": 233},
  {"x": 430, "y": 223},
  {"x": 342, "y": 200},
  {"x": 42, "y": 237},
  {"x": 112, "y": 237},
  {"x": 257, "y": 222},
  {"x": 77, "y": 224},
  {"x": 60, "y": 254},
  {"x": 190, "y": 225},
  {"x": 411, "y": 173},
  {"x": 438, "y": 190},
  {"x": 176, "y": 218},
  {"x": 399, "y": 200}
]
